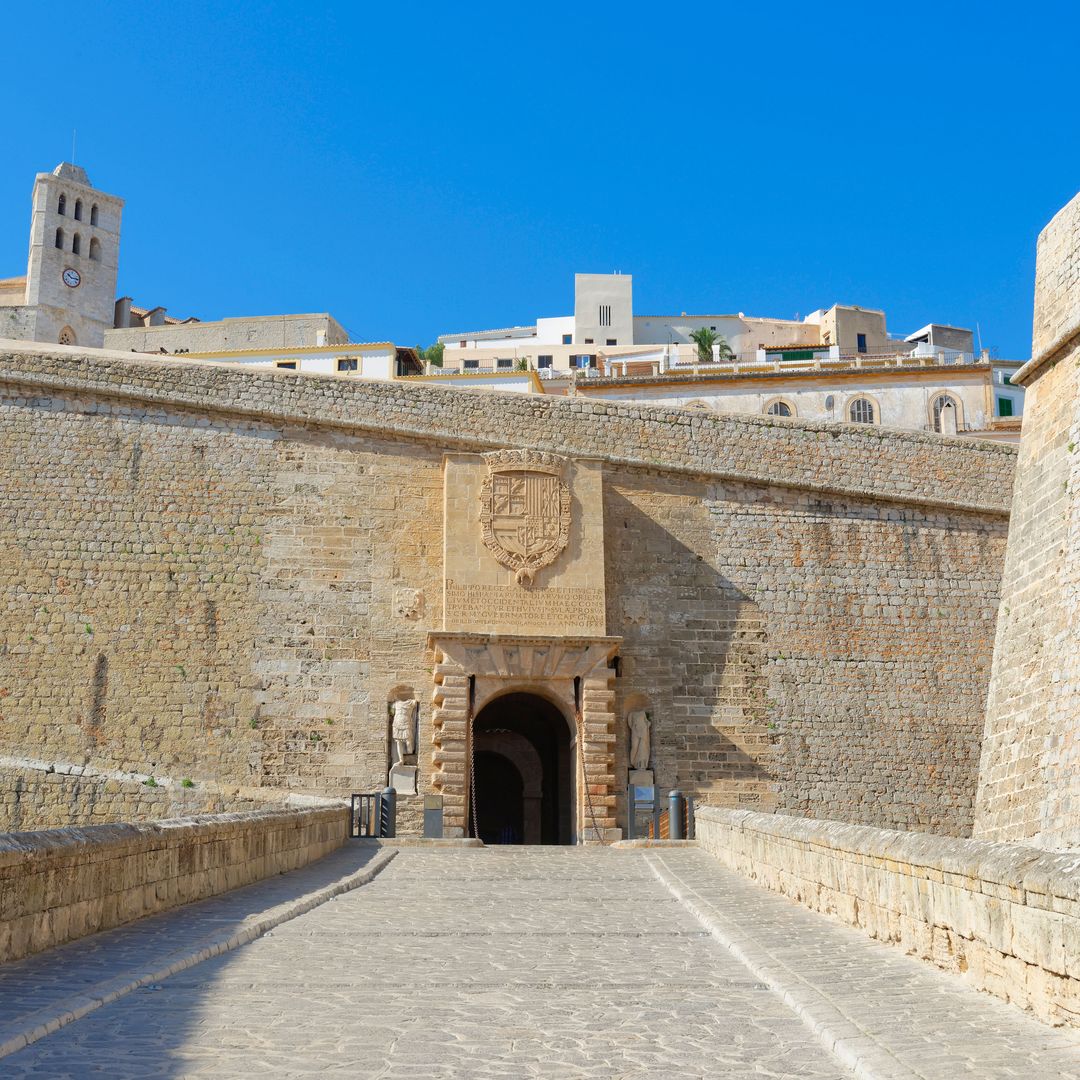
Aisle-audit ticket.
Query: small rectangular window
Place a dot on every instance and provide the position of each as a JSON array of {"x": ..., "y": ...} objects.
[
  {"x": 503, "y": 363},
  {"x": 1005, "y": 406},
  {"x": 1006, "y": 380},
  {"x": 543, "y": 361},
  {"x": 290, "y": 364},
  {"x": 462, "y": 343},
  {"x": 347, "y": 363},
  {"x": 568, "y": 339},
  {"x": 588, "y": 341},
  {"x": 612, "y": 341},
  {"x": 861, "y": 342},
  {"x": 472, "y": 365}
]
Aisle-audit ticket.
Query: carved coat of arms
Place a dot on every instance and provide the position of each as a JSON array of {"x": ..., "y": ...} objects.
[{"x": 525, "y": 510}]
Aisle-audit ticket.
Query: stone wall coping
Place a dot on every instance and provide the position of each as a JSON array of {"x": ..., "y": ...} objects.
[
  {"x": 1035, "y": 871},
  {"x": 80, "y": 841},
  {"x": 816, "y": 456}
]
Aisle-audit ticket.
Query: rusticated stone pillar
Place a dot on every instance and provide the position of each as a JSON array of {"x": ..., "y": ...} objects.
[
  {"x": 449, "y": 737},
  {"x": 598, "y": 756}
]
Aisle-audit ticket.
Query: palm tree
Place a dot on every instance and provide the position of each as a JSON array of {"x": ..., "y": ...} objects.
[{"x": 705, "y": 339}]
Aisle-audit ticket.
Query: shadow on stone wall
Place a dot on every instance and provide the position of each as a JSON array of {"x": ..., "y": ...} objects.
[{"x": 693, "y": 651}]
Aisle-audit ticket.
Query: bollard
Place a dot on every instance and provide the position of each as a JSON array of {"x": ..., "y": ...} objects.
[
  {"x": 675, "y": 815},
  {"x": 388, "y": 813}
]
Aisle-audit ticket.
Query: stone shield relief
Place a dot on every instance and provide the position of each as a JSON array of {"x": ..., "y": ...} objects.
[{"x": 525, "y": 510}]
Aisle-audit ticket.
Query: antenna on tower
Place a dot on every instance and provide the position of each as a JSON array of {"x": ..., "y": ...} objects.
[{"x": 72, "y": 146}]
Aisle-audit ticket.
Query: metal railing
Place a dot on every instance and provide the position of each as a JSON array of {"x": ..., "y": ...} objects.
[
  {"x": 374, "y": 814},
  {"x": 653, "y": 822}
]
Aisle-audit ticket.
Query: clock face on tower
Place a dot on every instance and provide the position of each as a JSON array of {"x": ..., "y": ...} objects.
[{"x": 71, "y": 278}]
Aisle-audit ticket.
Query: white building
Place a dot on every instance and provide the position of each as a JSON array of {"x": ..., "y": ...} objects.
[
  {"x": 604, "y": 328},
  {"x": 839, "y": 364}
]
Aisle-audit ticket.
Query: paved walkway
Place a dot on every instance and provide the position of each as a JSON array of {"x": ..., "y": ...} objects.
[{"x": 519, "y": 963}]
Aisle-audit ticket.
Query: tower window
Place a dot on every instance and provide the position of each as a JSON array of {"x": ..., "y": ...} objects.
[
  {"x": 78, "y": 209},
  {"x": 76, "y": 244},
  {"x": 93, "y": 214},
  {"x": 61, "y": 204},
  {"x": 95, "y": 249},
  {"x": 60, "y": 239}
]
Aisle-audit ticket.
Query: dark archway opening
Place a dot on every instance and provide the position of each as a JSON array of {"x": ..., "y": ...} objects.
[{"x": 523, "y": 753}]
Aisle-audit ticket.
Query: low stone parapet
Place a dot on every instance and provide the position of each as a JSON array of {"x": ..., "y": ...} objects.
[
  {"x": 60, "y": 884},
  {"x": 1006, "y": 917}
]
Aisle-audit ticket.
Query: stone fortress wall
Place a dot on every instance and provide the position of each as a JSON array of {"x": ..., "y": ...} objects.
[
  {"x": 1030, "y": 776},
  {"x": 204, "y": 569}
]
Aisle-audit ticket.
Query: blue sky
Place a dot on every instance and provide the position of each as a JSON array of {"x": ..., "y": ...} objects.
[{"x": 417, "y": 169}]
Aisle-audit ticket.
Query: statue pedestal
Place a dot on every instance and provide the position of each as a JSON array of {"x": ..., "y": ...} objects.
[
  {"x": 403, "y": 779},
  {"x": 641, "y": 778}
]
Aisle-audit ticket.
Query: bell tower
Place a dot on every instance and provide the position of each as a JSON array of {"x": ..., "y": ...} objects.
[{"x": 74, "y": 255}]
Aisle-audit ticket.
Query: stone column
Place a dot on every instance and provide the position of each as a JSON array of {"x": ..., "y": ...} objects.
[
  {"x": 449, "y": 737},
  {"x": 597, "y": 751}
]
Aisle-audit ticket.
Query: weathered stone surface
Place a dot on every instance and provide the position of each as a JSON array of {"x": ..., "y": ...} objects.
[
  {"x": 1005, "y": 916},
  {"x": 60, "y": 884},
  {"x": 204, "y": 571},
  {"x": 524, "y": 963},
  {"x": 1029, "y": 785}
]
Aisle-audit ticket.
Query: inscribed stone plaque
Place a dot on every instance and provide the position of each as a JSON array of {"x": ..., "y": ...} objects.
[{"x": 523, "y": 545}]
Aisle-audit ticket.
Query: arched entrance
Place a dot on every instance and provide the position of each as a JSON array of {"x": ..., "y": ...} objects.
[{"x": 523, "y": 753}]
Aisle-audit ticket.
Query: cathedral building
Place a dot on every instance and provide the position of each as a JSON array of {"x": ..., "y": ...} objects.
[{"x": 69, "y": 291}]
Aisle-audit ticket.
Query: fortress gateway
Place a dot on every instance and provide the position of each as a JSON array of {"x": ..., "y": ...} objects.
[{"x": 225, "y": 581}]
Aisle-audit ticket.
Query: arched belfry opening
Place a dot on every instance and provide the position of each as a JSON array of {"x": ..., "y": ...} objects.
[{"x": 523, "y": 754}]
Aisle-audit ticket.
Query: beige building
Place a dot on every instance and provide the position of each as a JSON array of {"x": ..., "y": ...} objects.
[
  {"x": 917, "y": 393},
  {"x": 67, "y": 294},
  {"x": 604, "y": 330},
  {"x": 839, "y": 363},
  {"x": 154, "y": 331}
]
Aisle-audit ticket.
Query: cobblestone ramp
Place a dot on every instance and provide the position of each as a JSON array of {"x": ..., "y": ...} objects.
[{"x": 520, "y": 963}]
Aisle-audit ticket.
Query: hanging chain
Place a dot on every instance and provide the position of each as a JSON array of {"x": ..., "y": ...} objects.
[{"x": 472, "y": 767}]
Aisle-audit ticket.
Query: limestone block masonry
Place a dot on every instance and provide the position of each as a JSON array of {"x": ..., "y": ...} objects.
[
  {"x": 1006, "y": 917},
  {"x": 62, "y": 884},
  {"x": 1029, "y": 789},
  {"x": 224, "y": 576}
]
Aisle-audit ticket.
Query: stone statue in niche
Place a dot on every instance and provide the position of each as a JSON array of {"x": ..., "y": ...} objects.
[
  {"x": 640, "y": 738},
  {"x": 404, "y": 716},
  {"x": 403, "y": 728}
]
